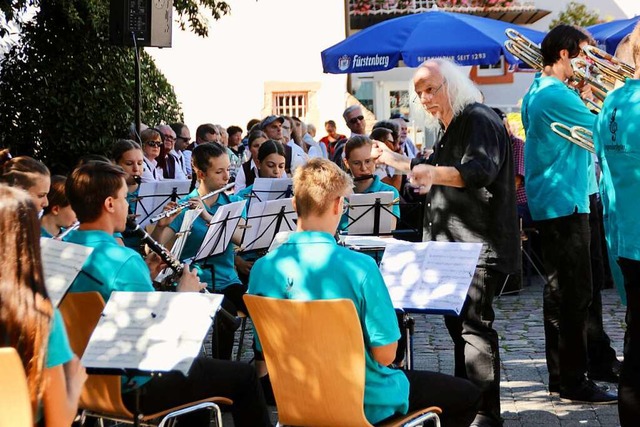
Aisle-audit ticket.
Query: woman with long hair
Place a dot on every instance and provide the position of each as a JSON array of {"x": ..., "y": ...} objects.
[{"x": 28, "y": 321}]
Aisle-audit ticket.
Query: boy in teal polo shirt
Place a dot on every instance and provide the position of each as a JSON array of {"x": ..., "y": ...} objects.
[
  {"x": 211, "y": 166},
  {"x": 557, "y": 186},
  {"x": 311, "y": 266},
  {"x": 97, "y": 192}
]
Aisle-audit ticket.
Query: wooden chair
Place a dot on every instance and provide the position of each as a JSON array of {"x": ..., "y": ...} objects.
[
  {"x": 15, "y": 402},
  {"x": 101, "y": 395},
  {"x": 315, "y": 356}
]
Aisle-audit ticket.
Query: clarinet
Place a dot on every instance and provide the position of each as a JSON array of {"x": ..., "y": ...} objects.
[
  {"x": 156, "y": 247},
  {"x": 176, "y": 266}
]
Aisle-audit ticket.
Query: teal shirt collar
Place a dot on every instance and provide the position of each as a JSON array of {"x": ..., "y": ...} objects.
[
  {"x": 91, "y": 237},
  {"x": 306, "y": 237}
]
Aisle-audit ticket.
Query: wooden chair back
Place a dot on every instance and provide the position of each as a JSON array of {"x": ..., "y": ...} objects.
[
  {"x": 314, "y": 352},
  {"x": 101, "y": 393},
  {"x": 15, "y": 401}
]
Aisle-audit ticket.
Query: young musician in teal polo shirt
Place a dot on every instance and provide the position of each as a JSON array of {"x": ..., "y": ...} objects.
[
  {"x": 211, "y": 166},
  {"x": 98, "y": 194},
  {"x": 312, "y": 266},
  {"x": 358, "y": 160}
]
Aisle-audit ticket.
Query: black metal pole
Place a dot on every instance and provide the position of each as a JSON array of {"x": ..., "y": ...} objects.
[{"x": 138, "y": 92}]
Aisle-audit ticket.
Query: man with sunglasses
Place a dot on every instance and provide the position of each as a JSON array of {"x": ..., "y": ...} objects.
[
  {"x": 559, "y": 177},
  {"x": 354, "y": 119},
  {"x": 470, "y": 197},
  {"x": 183, "y": 137}
]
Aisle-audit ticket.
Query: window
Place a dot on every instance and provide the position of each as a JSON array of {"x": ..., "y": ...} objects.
[{"x": 291, "y": 104}]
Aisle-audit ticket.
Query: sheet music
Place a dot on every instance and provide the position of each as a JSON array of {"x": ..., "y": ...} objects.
[
  {"x": 221, "y": 230},
  {"x": 280, "y": 239},
  {"x": 155, "y": 195},
  {"x": 429, "y": 276},
  {"x": 61, "y": 262},
  {"x": 262, "y": 221},
  {"x": 151, "y": 331},
  {"x": 366, "y": 242},
  {"x": 362, "y": 212},
  {"x": 271, "y": 189}
]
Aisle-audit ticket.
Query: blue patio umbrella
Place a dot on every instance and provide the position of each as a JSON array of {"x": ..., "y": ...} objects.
[
  {"x": 466, "y": 39},
  {"x": 610, "y": 33}
]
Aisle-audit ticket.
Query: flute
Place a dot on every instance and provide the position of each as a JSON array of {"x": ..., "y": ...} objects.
[
  {"x": 73, "y": 226},
  {"x": 184, "y": 205}
]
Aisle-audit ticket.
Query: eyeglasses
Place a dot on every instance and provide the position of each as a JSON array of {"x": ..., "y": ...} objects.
[
  {"x": 184, "y": 138},
  {"x": 154, "y": 143},
  {"x": 169, "y": 137},
  {"x": 354, "y": 120}
]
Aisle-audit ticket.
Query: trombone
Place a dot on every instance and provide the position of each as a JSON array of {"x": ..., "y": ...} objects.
[
  {"x": 578, "y": 135},
  {"x": 600, "y": 70}
]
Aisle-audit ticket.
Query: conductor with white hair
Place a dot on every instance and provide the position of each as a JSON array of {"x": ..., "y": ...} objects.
[{"x": 470, "y": 197}]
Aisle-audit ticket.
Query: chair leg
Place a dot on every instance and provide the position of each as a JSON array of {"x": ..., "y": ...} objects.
[
  {"x": 421, "y": 420},
  {"x": 206, "y": 405},
  {"x": 243, "y": 327}
]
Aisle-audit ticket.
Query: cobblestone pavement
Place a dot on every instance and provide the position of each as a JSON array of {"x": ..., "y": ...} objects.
[{"x": 524, "y": 394}]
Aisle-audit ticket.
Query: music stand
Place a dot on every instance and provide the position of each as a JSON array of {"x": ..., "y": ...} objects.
[
  {"x": 221, "y": 229},
  {"x": 366, "y": 211},
  {"x": 264, "y": 189},
  {"x": 131, "y": 337},
  {"x": 153, "y": 196},
  {"x": 265, "y": 220}
]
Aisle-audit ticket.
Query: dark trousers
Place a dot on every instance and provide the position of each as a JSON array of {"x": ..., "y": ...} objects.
[
  {"x": 476, "y": 342},
  {"x": 566, "y": 298},
  {"x": 223, "y": 329},
  {"x": 459, "y": 399},
  {"x": 600, "y": 353},
  {"x": 629, "y": 388},
  {"x": 207, "y": 378}
]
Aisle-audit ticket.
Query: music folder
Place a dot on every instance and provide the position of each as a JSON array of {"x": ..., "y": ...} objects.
[
  {"x": 61, "y": 263},
  {"x": 149, "y": 332},
  {"x": 429, "y": 277}
]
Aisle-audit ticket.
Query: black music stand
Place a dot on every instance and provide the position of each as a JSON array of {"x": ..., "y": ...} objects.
[
  {"x": 378, "y": 207},
  {"x": 283, "y": 189},
  {"x": 153, "y": 196},
  {"x": 268, "y": 224}
]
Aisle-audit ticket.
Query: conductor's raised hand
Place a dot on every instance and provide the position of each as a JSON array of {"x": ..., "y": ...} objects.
[
  {"x": 189, "y": 281},
  {"x": 421, "y": 177},
  {"x": 378, "y": 151}
]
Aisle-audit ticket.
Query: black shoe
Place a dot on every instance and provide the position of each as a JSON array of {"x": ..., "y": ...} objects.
[
  {"x": 588, "y": 392},
  {"x": 606, "y": 376},
  {"x": 554, "y": 389}
]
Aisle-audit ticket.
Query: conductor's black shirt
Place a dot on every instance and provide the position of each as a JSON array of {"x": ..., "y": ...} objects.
[{"x": 477, "y": 145}]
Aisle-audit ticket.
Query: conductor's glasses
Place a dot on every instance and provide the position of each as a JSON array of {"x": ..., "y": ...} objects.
[
  {"x": 345, "y": 206},
  {"x": 430, "y": 91}
]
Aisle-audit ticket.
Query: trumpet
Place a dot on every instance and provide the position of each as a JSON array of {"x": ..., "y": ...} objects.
[
  {"x": 578, "y": 135},
  {"x": 184, "y": 205}
]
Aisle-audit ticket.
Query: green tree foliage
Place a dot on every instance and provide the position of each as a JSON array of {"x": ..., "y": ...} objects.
[
  {"x": 576, "y": 14},
  {"x": 190, "y": 12},
  {"x": 65, "y": 92}
]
